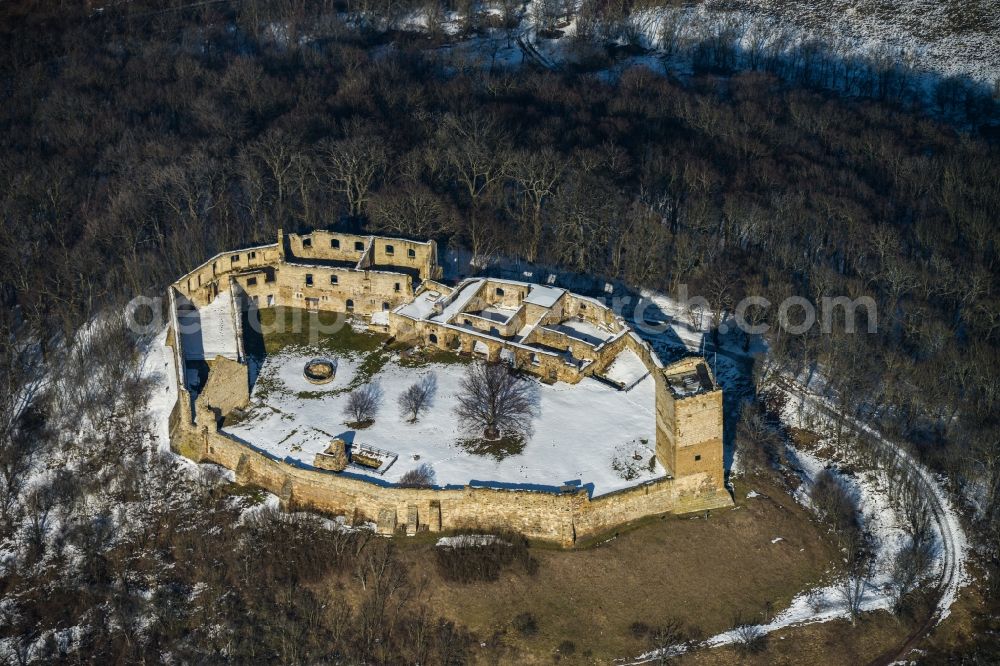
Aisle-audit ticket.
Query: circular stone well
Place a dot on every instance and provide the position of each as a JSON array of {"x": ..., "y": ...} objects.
[{"x": 320, "y": 371}]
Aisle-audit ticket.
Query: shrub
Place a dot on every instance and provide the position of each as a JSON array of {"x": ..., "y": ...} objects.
[
  {"x": 418, "y": 477},
  {"x": 834, "y": 503},
  {"x": 482, "y": 556},
  {"x": 639, "y": 629},
  {"x": 525, "y": 624},
  {"x": 750, "y": 637}
]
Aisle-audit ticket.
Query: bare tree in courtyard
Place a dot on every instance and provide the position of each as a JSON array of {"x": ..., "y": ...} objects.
[
  {"x": 495, "y": 401},
  {"x": 363, "y": 403},
  {"x": 418, "y": 397}
]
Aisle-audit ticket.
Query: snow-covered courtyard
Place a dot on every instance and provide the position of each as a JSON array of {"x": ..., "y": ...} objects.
[{"x": 588, "y": 432}]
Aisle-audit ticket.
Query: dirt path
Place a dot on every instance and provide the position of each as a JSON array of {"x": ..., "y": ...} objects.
[
  {"x": 949, "y": 581},
  {"x": 952, "y": 537}
]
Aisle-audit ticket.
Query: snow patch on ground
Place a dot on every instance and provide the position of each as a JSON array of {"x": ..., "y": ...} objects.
[
  {"x": 466, "y": 540},
  {"x": 941, "y": 38},
  {"x": 804, "y": 407},
  {"x": 827, "y": 603},
  {"x": 576, "y": 433},
  {"x": 157, "y": 366}
]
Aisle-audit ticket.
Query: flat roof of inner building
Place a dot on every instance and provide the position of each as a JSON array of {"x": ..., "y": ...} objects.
[{"x": 543, "y": 296}]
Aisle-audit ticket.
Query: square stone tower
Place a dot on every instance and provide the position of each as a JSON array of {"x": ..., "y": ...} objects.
[{"x": 689, "y": 424}]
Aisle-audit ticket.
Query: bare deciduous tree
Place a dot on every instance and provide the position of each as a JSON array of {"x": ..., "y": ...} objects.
[
  {"x": 536, "y": 173},
  {"x": 353, "y": 164},
  {"x": 474, "y": 148},
  {"x": 860, "y": 568},
  {"x": 413, "y": 211},
  {"x": 418, "y": 397},
  {"x": 418, "y": 477},
  {"x": 22, "y": 377},
  {"x": 667, "y": 641},
  {"x": 908, "y": 569},
  {"x": 276, "y": 150},
  {"x": 363, "y": 403},
  {"x": 384, "y": 580},
  {"x": 758, "y": 445},
  {"x": 496, "y": 402}
]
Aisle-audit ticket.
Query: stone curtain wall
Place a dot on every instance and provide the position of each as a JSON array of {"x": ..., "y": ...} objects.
[
  {"x": 560, "y": 517},
  {"x": 201, "y": 284}
]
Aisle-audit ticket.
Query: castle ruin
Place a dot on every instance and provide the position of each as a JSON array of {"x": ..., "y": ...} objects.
[{"x": 394, "y": 286}]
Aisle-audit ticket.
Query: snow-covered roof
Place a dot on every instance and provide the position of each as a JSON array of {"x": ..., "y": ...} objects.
[
  {"x": 544, "y": 296},
  {"x": 459, "y": 300},
  {"x": 627, "y": 368},
  {"x": 583, "y": 330},
  {"x": 421, "y": 307},
  {"x": 209, "y": 331}
]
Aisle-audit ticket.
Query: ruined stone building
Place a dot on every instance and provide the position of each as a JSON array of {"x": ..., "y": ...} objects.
[{"x": 395, "y": 286}]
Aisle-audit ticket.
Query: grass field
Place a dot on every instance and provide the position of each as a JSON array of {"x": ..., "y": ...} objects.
[
  {"x": 701, "y": 572},
  {"x": 272, "y": 329}
]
